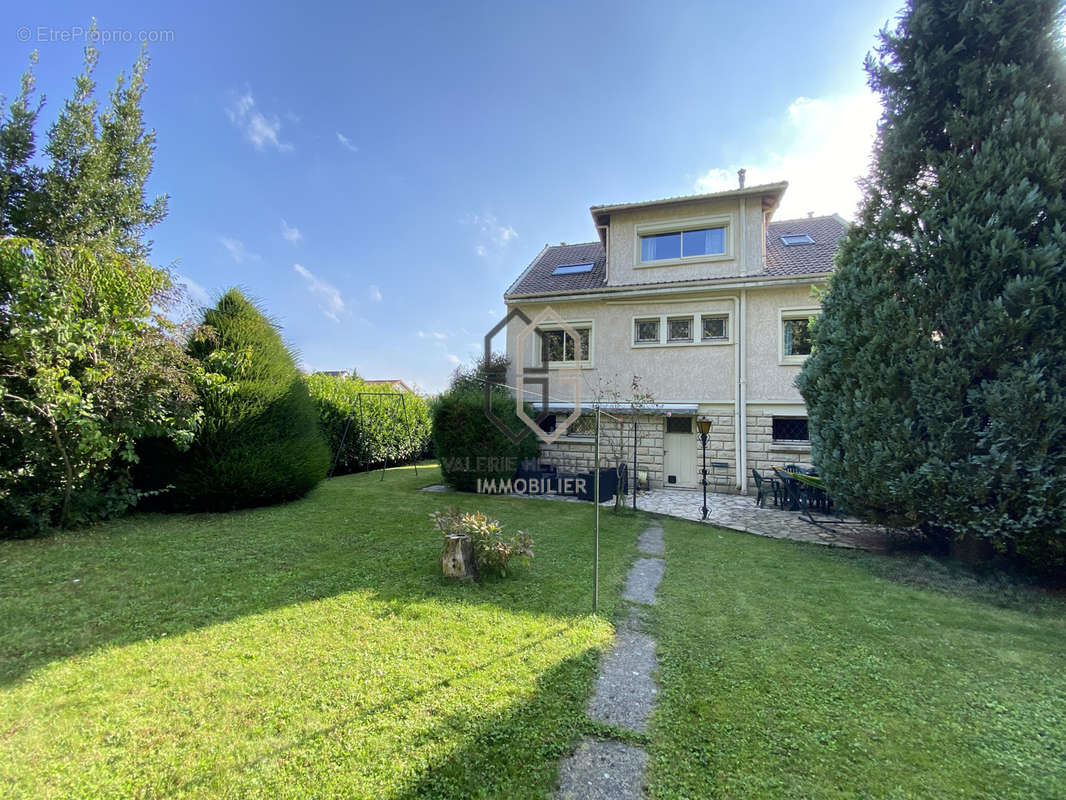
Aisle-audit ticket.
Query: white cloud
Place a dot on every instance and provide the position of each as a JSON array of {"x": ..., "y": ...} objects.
[
  {"x": 454, "y": 359},
  {"x": 346, "y": 142},
  {"x": 330, "y": 301},
  {"x": 194, "y": 291},
  {"x": 491, "y": 231},
  {"x": 262, "y": 131},
  {"x": 290, "y": 233},
  {"x": 238, "y": 252},
  {"x": 829, "y": 144},
  {"x": 440, "y": 337},
  {"x": 375, "y": 293}
]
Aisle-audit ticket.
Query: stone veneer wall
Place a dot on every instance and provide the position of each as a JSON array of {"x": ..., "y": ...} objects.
[
  {"x": 574, "y": 454},
  {"x": 763, "y": 453},
  {"x": 721, "y": 446}
]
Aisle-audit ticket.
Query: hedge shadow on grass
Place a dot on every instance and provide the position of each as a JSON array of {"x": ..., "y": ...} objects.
[{"x": 154, "y": 575}]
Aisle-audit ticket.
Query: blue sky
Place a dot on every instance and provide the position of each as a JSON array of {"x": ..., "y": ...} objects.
[{"x": 377, "y": 175}]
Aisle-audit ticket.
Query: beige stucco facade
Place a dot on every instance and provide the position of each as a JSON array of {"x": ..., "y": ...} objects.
[{"x": 741, "y": 381}]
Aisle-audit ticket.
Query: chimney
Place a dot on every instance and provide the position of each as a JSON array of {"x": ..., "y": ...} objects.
[
  {"x": 740, "y": 176},
  {"x": 810, "y": 215}
]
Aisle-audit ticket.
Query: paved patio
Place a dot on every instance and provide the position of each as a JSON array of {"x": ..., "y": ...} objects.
[{"x": 739, "y": 512}]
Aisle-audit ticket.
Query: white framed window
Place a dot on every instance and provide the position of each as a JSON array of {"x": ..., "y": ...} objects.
[
  {"x": 679, "y": 329},
  {"x": 683, "y": 240},
  {"x": 559, "y": 349},
  {"x": 794, "y": 334},
  {"x": 683, "y": 330},
  {"x": 714, "y": 327},
  {"x": 646, "y": 331}
]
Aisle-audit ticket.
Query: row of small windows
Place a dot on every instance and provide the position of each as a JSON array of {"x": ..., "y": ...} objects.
[
  {"x": 681, "y": 329},
  {"x": 559, "y": 347}
]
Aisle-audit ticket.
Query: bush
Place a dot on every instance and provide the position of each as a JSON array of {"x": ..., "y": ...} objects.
[
  {"x": 491, "y": 550},
  {"x": 381, "y": 433},
  {"x": 470, "y": 446},
  {"x": 87, "y": 366},
  {"x": 259, "y": 442}
]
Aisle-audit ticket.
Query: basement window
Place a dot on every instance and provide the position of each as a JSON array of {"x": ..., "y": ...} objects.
[{"x": 792, "y": 430}]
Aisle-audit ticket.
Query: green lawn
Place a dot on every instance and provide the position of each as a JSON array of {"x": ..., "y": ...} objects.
[
  {"x": 312, "y": 650},
  {"x": 796, "y": 671},
  {"x": 307, "y": 650}
]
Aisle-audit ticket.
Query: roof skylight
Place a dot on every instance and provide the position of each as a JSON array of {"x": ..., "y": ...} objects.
[
  {"x": 572, "y": 269},
  {"x": 792, "y": 239}
]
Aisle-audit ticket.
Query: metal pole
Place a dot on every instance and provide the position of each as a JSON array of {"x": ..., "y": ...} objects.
[
  {"x": 636, "y": 478},
  {"x": 703, "y": 439},
  {"x": 596, "y": 526}
]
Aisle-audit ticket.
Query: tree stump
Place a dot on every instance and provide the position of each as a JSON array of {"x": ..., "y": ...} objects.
[{"x": 457, "y": 560}]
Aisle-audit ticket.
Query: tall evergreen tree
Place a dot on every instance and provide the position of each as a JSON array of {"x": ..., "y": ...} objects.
[
  {"x": 93, "y": 189},
  {"x": 937, "y": 388},
  {"x": 259, "y": 442}
]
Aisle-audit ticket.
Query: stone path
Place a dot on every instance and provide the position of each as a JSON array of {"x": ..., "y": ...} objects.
[{"x": 624, "y": 696}]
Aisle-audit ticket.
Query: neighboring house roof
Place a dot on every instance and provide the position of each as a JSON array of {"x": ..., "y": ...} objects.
[
  {"x": 803, "y": 259},
  {"x": 538, "y": 278},
  {"x": 781, "y": 260},
  {"x": 395, "y": 383}
]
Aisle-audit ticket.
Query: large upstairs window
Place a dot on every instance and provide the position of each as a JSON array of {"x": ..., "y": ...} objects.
[
  {"x": 683, "y": 244},
  {"x": 682, "y": 240}
]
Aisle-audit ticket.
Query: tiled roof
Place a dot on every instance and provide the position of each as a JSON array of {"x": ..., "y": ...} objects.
[
  {"x": 781, "y": 260},
  {"x": 803, "y": 259},
  {"x": 538, "y": 278}
]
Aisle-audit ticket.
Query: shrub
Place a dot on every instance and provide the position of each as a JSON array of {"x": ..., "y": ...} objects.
[
  {"x": 381, "y": 433},
  {"x": 491, "y": 550},
  {"x": 259, "y": 442},
  {"x": 470, "y": 446},
  {"x": 87, "y": 366}
]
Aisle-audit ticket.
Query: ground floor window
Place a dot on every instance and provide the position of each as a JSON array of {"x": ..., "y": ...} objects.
[{"x": 790, "y": 429}]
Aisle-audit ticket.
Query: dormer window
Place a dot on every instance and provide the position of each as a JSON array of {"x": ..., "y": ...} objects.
[
  {"x": 683, "y": 244},
  {"x": 679, "y": 241},
  {"x": 572, "y": 269},
  {"x": 793, "y": 239}
]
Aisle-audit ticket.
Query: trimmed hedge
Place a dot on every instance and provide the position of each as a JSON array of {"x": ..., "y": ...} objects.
[
  {"x": 259, "y": 442},
  {"x": 470, "y": 446},
  {"x": 382, "y": 432}
]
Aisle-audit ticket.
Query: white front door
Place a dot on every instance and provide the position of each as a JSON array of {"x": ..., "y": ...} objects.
[{"x": 679, "y": 453}]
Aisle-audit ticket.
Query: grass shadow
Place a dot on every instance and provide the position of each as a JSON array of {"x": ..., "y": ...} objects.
[{"x": 154, "y": 575}]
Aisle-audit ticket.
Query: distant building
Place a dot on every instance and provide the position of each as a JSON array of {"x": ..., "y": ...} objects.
[{"x": 395, "y": 384}]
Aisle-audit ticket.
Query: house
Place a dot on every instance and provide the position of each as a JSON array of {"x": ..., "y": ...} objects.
[
  {"x": 395, "y": 385},
  {"x": 707, "y": 299}
]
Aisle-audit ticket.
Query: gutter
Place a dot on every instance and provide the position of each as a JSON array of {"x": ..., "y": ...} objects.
[{"x": 647, "y": 291}]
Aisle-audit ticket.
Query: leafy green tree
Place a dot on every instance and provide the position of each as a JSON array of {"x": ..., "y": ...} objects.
[
  {"x": 937, "y": 386},
  {"x": 87, "y": 366},
  {"x": 259, "y": 442},
  {"x": 92, "y": 189}
]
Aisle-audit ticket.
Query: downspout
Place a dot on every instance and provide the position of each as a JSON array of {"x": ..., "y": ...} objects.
[
  {"x": 738, "y": 383},
  {"x": 742, "y": 395}
]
